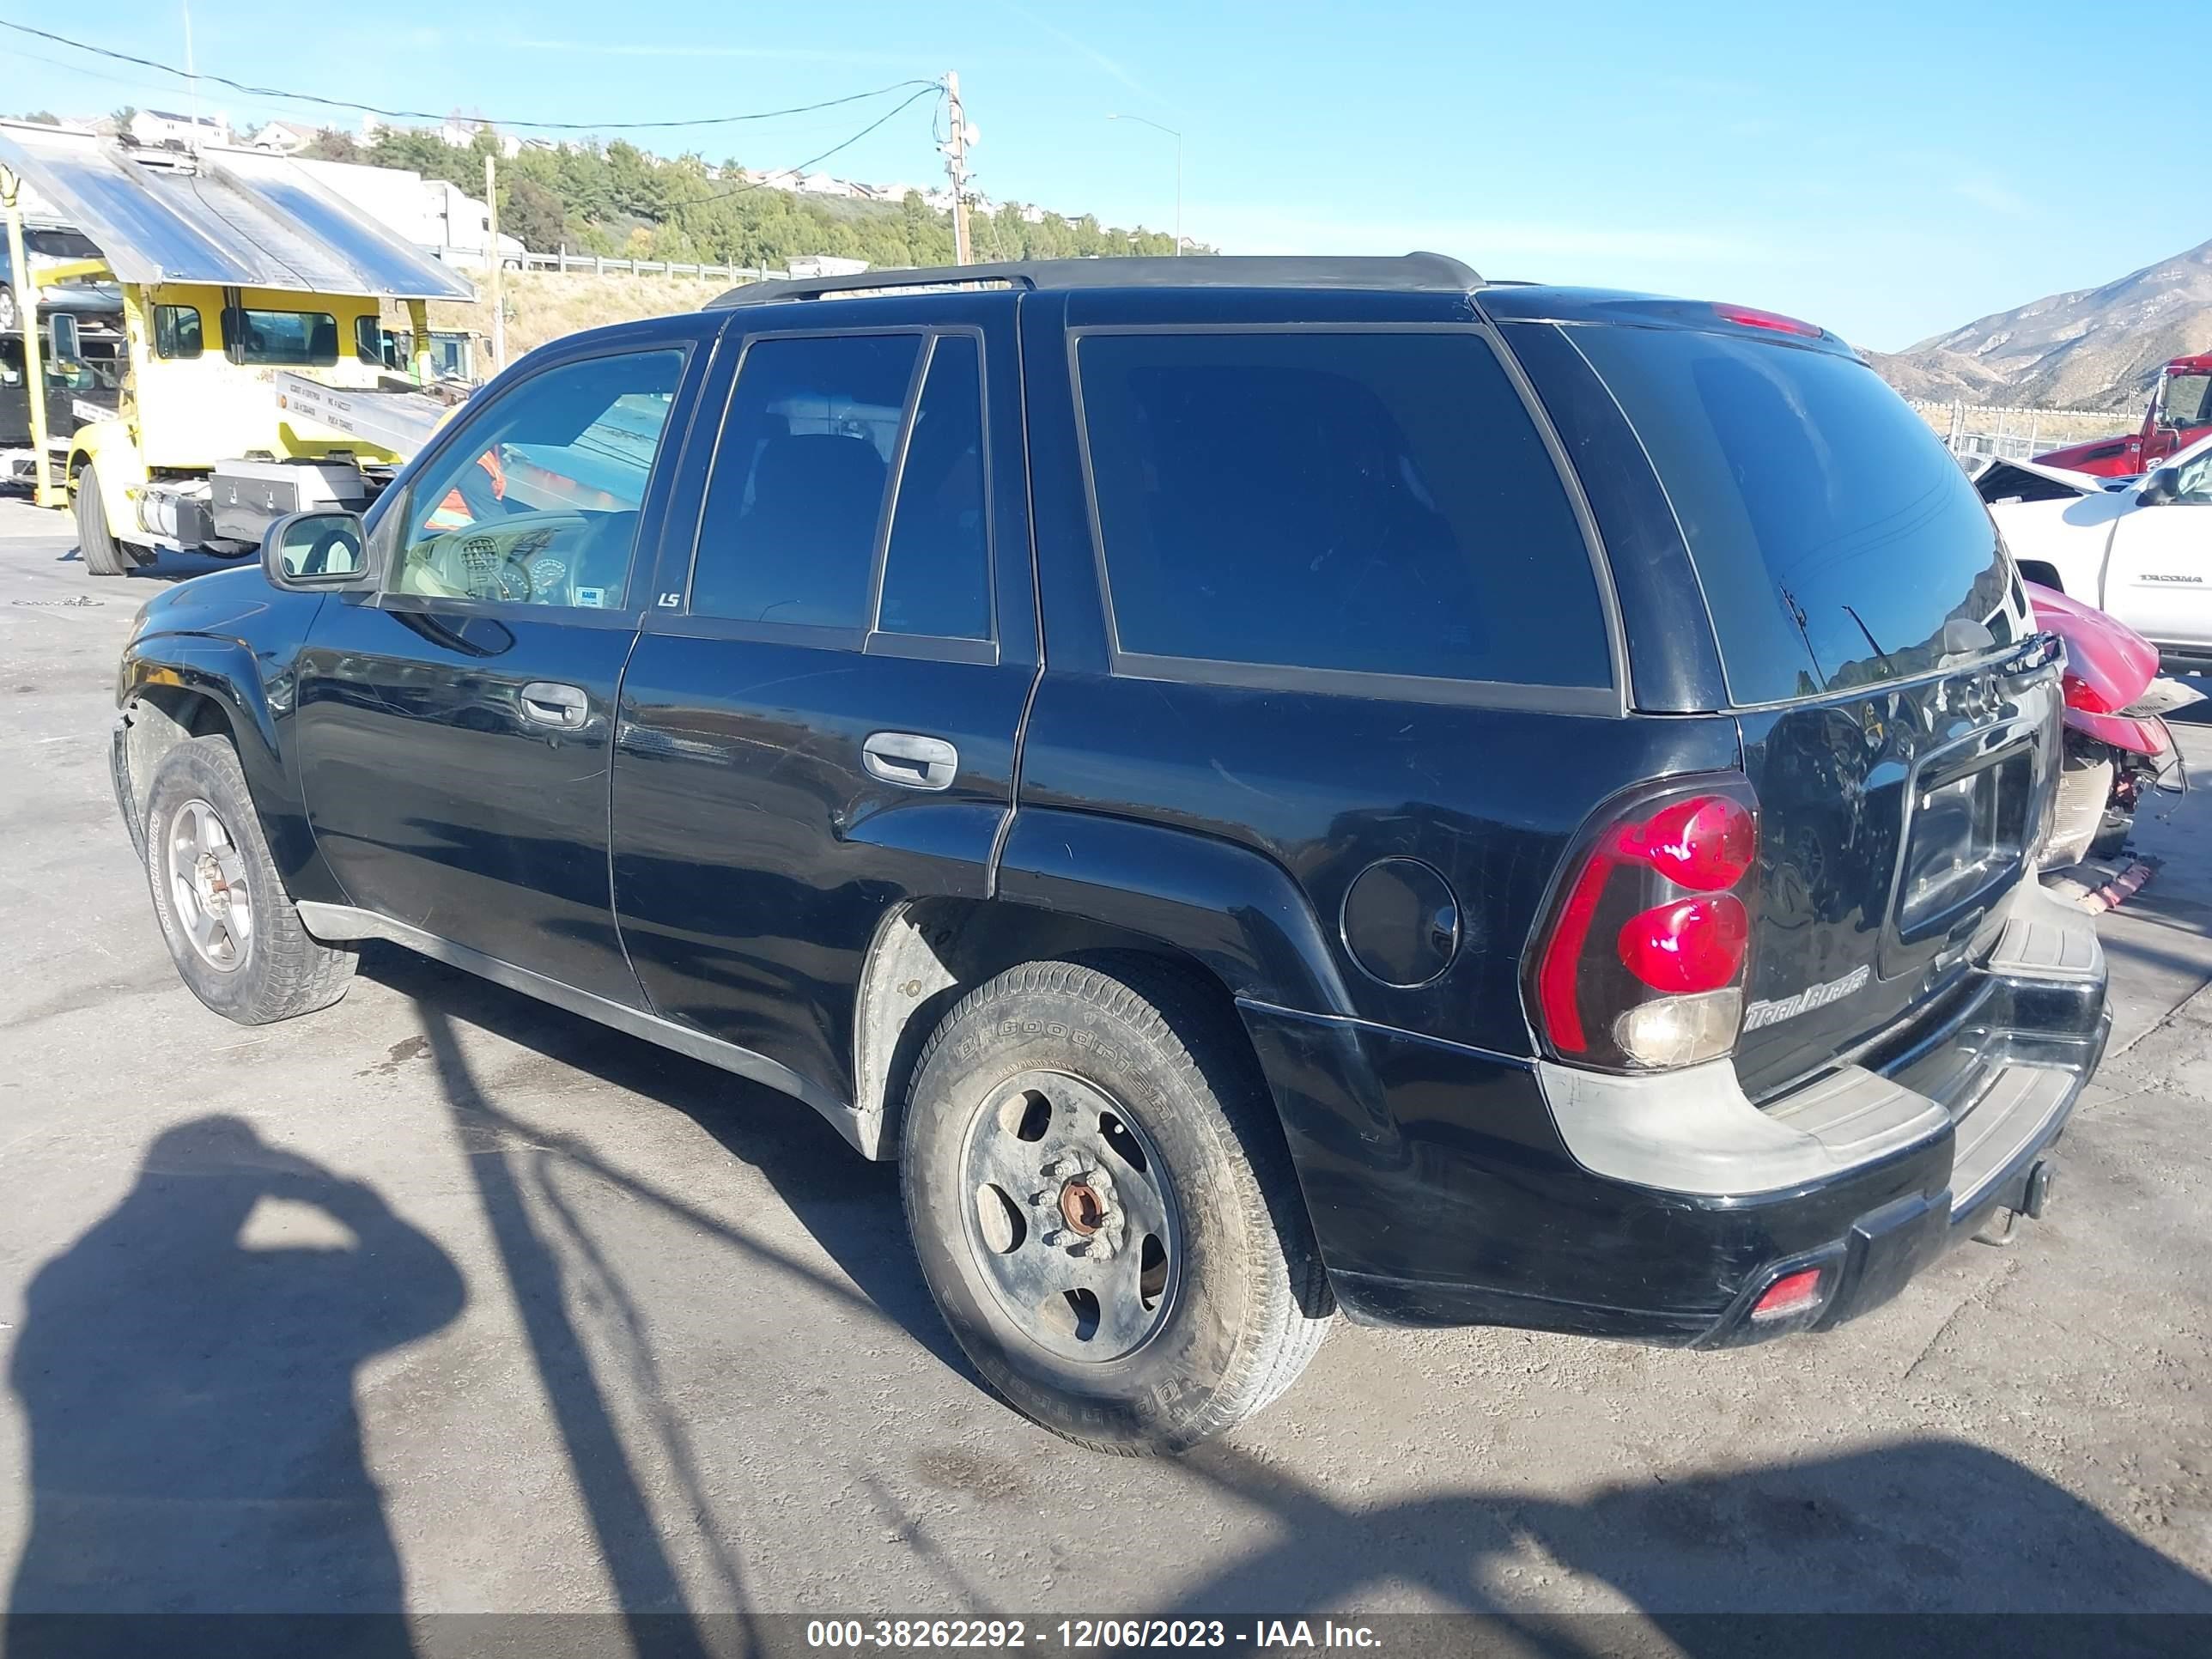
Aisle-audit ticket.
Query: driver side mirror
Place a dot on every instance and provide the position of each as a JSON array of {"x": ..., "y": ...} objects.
[
  {"x": 63, "y": 344},
  {"x": 317, "y": 552},
  {"x": 2161, "y": 487}
]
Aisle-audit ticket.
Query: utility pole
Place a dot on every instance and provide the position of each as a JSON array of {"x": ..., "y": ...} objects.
[
  {"x": 498, "y": 266},
  {"x": 192, "y": 75},
  {"x": 44, "y": 491},
  {"x": 955, "y": 166}
]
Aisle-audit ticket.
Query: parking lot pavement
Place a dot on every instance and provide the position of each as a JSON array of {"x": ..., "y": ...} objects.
[{"x": 445, "y": 1296}]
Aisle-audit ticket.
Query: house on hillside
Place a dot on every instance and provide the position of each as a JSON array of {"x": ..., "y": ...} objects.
[
  {"x": 821, "y": 184},
  {"x": 158, "y": 127},
  {"x": 461, "y": 131},
  {"x": 284, "y": 137}
]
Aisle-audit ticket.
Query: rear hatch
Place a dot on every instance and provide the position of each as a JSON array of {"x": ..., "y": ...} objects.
[{"x": 1898, "y": 714}]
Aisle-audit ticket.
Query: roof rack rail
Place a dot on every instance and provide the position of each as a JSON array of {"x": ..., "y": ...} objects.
[{"x": 1427, "y": 271}]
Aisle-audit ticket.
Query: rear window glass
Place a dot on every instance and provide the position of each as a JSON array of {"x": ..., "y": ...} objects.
[
  {"x": 300, "y": 338},
  {"x": 1838, "y": 543},
  {"x": 1372, "y": 501}
]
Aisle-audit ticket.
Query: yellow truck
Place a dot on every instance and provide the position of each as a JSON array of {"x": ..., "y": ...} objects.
[{"x": 253, "y": 307}]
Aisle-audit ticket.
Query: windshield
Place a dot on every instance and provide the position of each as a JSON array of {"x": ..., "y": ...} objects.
[
  {"x": 2184, "y": 403},
  {"x": 1837, "y": 541},
  {"x": 60, "y": 244}
]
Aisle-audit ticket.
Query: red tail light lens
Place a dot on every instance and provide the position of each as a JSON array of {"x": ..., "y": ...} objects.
[
  {"x": 1641, "y": 962},
  {"x": 1695, "y": 945},
  {"x": 1752, "y": 317}
]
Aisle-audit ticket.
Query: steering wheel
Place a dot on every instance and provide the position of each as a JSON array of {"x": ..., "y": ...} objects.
[{"x": 501, "y": 559}]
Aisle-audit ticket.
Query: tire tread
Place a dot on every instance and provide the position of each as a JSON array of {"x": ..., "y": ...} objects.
[{"x": 1178, "y": 1017}]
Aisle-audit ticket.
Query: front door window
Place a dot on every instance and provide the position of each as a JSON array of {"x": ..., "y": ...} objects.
[{"x": 538, "y": 502}]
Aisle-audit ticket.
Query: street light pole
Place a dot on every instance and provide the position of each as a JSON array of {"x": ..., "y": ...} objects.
[{"x": 1172, "y": 133}]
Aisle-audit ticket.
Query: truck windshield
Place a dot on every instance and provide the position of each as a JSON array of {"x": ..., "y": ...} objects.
[
  {"x": 2185, "y": 400},
  {"x": 1838, "y": 543}
]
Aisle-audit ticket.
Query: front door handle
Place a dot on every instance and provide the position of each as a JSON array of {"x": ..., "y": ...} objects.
[
  {"x": 550, "y": 703},
  {"x": 910, "y": 760}
]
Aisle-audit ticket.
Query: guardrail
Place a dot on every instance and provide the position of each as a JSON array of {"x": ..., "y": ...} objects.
[{"x": 599, "y": 264}]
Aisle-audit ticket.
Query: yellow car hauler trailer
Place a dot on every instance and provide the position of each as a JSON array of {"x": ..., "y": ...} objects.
[{"x": 236, "y": 267}]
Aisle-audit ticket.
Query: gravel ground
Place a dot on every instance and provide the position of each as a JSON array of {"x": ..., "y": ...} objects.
[{"x": 442, "y": 1300}]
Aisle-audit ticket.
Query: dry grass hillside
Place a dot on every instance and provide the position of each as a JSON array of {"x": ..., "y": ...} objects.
[
  {"x": 545, "y": 305},
  {"x": 2097, "y": 347}
]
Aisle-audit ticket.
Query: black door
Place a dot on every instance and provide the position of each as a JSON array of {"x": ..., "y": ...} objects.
[
  {"x": 455, "y": 730},
  {"x": 818, "y": 720}
]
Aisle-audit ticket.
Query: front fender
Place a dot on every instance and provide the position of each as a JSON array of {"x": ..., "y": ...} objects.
[
  {"x": 1235, "y": 912},
  {"x": 120, "y": 465},
  {"x": 255, "y": 697}
]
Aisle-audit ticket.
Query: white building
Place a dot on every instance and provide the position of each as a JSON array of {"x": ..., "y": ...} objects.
[
  {"x": 284, "y": 137},
  {"x": 461, "y": 131},
  {"x": 157, "y": 127}
]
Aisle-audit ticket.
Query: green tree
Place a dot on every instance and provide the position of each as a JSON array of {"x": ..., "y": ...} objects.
[
  {"x": 333, "y": 145},
  {"x": 531, "y": 214}
]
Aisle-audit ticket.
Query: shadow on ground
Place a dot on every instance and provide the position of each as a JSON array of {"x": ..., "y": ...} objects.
[{"x": 187, "y": 1371}]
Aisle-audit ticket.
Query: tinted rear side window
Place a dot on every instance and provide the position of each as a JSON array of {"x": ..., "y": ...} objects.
[
  {"x": 1837, "y": 541},
  {"x": 788, "y": 532},
  {"x": 937, "y": 570},
  {"x": 1373, "y": 501}
]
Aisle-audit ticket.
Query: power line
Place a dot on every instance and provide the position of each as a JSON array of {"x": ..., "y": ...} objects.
[
  {"x": 503, "y": 121},
  {"x": 695, "y": 201}
]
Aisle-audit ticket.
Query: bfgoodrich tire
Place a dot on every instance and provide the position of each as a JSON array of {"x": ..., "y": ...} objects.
[
  {"x": 103, "y": 554},
  {"x": 230, "y": 924},
  {"x": 1104, "y": 1206}
]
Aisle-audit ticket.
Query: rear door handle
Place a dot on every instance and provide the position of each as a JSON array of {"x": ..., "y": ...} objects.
[
  {"x": 550, "y": 703},
  {"x": 910, "y": 760}
]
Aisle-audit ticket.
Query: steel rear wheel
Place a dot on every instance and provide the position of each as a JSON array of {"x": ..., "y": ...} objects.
[
  {"x": 1075, "y": 1231},
  {"x": 1104, "y": 1206}
]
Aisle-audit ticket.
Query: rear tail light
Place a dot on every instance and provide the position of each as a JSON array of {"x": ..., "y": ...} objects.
[
  {"x": 1789, "y": 1296},
  {"x": 1641, "y": 962}
]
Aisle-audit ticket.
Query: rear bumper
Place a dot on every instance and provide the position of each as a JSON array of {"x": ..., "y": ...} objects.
[{"x": 1451, "y": 1186}]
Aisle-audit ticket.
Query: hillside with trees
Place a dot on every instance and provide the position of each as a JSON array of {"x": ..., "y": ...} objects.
[{"x": 618, "y": 200}]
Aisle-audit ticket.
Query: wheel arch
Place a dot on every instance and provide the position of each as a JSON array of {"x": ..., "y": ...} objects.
[
  {"x": 1073, "y": 885},
  {"x": 174, "y": 688},
  {"x": 2039, "y": 570},
  {"x": 108, "y": 447}
]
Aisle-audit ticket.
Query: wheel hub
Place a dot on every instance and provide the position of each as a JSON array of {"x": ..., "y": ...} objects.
[
  {"x": 1072, "y": 1227},
  {"x": 208, "y": 887},
  {"x": 1089, "y": 1222}
]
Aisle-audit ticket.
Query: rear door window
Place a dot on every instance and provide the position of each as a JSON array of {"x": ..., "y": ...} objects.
[
  {"x": 1838, "y": 543},
  {"x": 788, "y": 532},
  {"x": 936, "y": 568},
  {"x": 1362, "y": 501}
]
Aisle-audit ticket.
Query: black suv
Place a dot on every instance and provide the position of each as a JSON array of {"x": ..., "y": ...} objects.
[{"x": 1270, "y": 784}]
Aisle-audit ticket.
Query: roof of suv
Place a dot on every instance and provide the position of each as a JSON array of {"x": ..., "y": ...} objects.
[{"x": 1416, "y": 272}]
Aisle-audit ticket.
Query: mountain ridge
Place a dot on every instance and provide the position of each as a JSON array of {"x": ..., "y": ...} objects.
[{"x": 2089, "y": 348}]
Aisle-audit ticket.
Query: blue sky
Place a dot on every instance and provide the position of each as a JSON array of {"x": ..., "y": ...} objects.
[{"x": 1888, "y": 170}]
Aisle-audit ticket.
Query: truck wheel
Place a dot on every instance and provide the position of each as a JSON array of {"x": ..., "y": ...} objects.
[
  {"x": 230, "y": 924},
  {"x": 103, "y": 554},
  {"x": 1104, "y": 1208}
]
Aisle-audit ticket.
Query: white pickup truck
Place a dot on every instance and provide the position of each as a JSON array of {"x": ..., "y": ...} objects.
[{"x": 2138, "y": 549}]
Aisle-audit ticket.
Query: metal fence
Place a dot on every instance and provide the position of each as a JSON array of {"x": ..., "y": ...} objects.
[{"x": 1980, "y": 432}]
